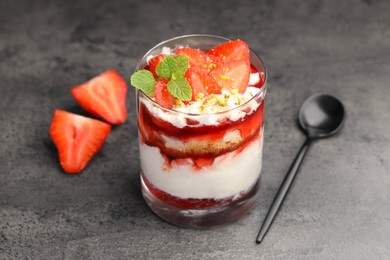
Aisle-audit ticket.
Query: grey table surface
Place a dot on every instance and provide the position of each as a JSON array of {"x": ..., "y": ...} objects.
[{"x": 338, "y": 207}]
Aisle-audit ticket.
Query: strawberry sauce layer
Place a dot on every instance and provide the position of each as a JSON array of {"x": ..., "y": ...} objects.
[
  {"x": 191, "y": 203},
  {"x": 199, "y": 139}
]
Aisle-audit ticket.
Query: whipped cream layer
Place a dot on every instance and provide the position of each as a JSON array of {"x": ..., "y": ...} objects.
[
  {"x": 209, "y": 114},
  {"x": 230, "y": 174}
]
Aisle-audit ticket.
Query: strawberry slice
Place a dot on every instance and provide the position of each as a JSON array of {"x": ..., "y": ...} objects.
[
  {"x": 231, "y": 51},
  {"x": 196, "y": 81},
  {"x": 201, "y": 82},
  {"x": 163, "y": 96},
  {"x": 104, "y": 96},
  {"x": 232, "y": 75},
  {"x": 153, "y": 62},
  {"x": 198, "y": 58},
  {"x": 77, "y": 139}
]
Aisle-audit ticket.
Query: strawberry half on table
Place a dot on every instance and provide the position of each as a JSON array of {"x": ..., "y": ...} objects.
[
  {"x": 104, "y": 96},
  {"x": 77, "y": 139}
]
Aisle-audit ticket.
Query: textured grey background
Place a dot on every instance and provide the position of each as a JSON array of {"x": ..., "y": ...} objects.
[{"x": 339, "y": 205}]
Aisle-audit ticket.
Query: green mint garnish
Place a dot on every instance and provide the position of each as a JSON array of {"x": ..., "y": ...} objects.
[
  {"x": 172, "y": 67},
  {"x": 166, "y": 67},
  {"x": 182, "y": 64},
  {"x": 177, "y": 64},
  {"x": 176, "y": 75},
  {"x": 180, "y": 88},
  {"x": 143, "y": 80}
]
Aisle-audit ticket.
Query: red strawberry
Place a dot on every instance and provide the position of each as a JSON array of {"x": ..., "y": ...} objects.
[
  {"x": 77, "y": 139},
  {"x": 198, "y": 58},
  {"x": 104, "y": 96},
  {"x": 232, "y": 74},
  {"x": 231, "y": 51},
  {"x": 201, "y": 82},
  {"x": 153, "y": 62},
  {"x": 196, "y": 82},
  {"x": 163, "y": 96}
]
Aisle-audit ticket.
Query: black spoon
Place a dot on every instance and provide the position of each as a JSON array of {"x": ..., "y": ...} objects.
[{"x": 319, "y": 116}]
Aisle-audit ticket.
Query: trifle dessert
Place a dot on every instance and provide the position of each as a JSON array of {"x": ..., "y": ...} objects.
[{"x": 200, "y": 106}]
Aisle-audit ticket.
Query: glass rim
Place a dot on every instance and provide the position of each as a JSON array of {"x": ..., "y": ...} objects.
[{"x": 262, "y": 89}]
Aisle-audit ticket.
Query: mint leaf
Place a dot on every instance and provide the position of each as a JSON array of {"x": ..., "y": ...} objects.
[
  {"x": 143, "y": 80},
  {"x": 166, "y": 67},
  {"x": 176, "y": 75},
  {"x": 182, "y": 64},
  {"x": 180, "y": 88}
]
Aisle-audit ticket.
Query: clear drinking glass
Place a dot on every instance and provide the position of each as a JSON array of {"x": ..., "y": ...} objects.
[{"x": 200, "y": 170}]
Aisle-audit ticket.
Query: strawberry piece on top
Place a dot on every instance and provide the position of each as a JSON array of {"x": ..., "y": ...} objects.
[
  {"x": 198, "y": 58},
  {"x": 163, "y": 96},
  {"x": 232, "y": 75},
  {"x": 153, "y": 62},
  {"x": 77, "y": 139},
  {"x": 231, "y": 51},
  {"x": 226, "y": 66},
  {"x": 104, "y": 96},
  {"x": 201, "y": 82}
]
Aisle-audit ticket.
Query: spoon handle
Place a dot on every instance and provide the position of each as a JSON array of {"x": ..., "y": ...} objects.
[{"x": 278, "y": 200}]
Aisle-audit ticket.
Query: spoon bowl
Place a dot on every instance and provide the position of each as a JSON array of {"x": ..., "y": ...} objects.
[{"x": 321, "y": 115}]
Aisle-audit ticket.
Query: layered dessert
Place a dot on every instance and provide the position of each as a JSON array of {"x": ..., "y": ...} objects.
[{"x": 200, "y": 118}]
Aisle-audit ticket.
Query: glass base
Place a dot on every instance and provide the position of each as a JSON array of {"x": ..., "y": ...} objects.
[{"x": 200, "y": 218}]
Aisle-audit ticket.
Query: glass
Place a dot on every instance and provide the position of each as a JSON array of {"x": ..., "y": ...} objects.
[{"x": 200, "y": 170}]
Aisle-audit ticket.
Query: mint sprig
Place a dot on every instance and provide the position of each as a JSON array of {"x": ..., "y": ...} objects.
[
  {"x": 172, "y": 67},
  {"x": 143, "y": 80}
]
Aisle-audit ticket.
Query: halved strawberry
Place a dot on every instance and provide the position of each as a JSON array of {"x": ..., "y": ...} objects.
[
  {"x": 163, "y": 96},
  {"x": 201, "y": 82},
  {"x": 77, "y": 139},
  {"x": 196, "y": 57},
  {"x": 232, "y": 75},
  {"x": 104, "y": 96},
  {"x": 196, "y": 81},
  {"x": 153, "y": 62},
  {"x": 231, "y": 51}
]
